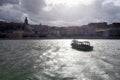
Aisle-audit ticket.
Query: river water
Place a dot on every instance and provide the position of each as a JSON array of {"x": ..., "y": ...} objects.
[{"x": 56, "y": 60}]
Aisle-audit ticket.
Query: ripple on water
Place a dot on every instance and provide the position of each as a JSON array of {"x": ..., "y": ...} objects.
[{"x": 56, "y": 60}]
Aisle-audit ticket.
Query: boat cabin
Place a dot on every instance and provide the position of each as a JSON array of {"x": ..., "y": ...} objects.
[
  {"x": 84, "y": 46},
  {"x": 81, "y": 43}
]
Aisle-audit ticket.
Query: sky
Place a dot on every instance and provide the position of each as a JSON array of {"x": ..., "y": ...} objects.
[{"x": 60, "y": 12}]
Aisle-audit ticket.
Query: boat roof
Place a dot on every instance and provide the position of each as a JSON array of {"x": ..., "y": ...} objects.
[
  {"x": 86, "y": 42},
  {"x": 81, "y": 41}
]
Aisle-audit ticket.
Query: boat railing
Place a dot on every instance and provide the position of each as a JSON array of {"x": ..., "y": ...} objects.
[{"x": 84, "y": 43}]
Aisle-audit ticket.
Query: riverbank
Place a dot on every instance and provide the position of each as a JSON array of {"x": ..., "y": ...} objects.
[{"x": 57, "y": 38}]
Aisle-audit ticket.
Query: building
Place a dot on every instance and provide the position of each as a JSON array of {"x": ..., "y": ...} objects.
[
  {"x": 15, "y": 34},
  {"x": 103, "y": 33},
  {"x": 70, "y": 31},
  {"x": 28, "y": 31},
  {"x": 41, "y": 30},
  {"x": 88, "y": 30},
  {"x": 54, "y": 32},
  {"x": 114, "y": 30}
]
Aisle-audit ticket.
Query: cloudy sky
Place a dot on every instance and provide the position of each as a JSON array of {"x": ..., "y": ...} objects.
[{"x": 60, "y": 12}]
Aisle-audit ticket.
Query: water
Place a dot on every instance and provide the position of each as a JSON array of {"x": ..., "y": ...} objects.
[{"x": 56, "y": 60}]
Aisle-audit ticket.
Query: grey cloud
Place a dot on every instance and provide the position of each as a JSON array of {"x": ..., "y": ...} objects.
[
  {"x": 60, "y": 15},
  {"x": 33, "y": 6},
  {"x": 2, "y": 2},
  {"x": 11, "y": 15},
  {"x": 108, "y": 12},
  {"x": 16, "y": 12}
]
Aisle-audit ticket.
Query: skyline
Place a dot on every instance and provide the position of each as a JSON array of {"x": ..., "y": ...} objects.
[{"x": 60, "y": 13}]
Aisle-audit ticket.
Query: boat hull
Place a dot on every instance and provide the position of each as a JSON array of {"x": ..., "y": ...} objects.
[{"x": 82, "y": 47}]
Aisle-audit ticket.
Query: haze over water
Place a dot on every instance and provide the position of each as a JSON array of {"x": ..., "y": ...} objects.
[{"x": 56, "y": 60}]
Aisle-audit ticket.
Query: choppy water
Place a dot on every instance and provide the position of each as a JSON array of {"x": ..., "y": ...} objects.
[{"x": 56, "y": 60}]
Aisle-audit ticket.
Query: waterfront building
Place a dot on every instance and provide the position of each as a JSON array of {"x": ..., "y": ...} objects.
[
  {"x": 103, "y": 33},
  {"x": 70, "y": 31},
  {"x": 15, "y": 34}
]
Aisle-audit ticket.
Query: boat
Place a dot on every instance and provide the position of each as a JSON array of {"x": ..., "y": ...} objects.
[{"x": 82, "y": 46}]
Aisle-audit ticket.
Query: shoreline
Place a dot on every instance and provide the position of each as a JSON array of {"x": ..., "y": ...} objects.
[{"x": 56, "y": 38}]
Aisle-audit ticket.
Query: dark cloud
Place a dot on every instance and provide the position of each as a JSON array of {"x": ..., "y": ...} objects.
[
  {"x": 9, "y": 13},
  {"x": 106, "y": 12},
  {"x": 15, "y": 10},
  {"x": 2, "y": 2},
  {"x": 38, "y": 12},
  {"x": 33, "y": 6},
  {"x": 84, "y": 14}
]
